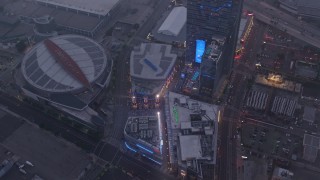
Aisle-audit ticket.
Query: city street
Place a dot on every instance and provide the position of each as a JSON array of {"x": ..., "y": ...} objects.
[
  {"x": 111, "y": 149},
  {"x": 126, "y": 161}
]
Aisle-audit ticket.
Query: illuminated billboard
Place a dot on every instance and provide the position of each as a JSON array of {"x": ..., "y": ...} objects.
[{"x": 200, "y": 47}]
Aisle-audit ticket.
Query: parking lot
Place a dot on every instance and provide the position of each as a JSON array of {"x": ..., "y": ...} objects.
[
  {"x": 44, "y": 150},
  {"x": 261, "y": 140},
  {"x": 280, "y": 52}
]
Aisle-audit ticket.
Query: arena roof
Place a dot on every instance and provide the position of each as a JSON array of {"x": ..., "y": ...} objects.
[
  {"x": 99, "y": 7},
  {"x": 46, "y": 70},
  {"x": 174, "y": 22},
  {"x": 152, "y": 61}
]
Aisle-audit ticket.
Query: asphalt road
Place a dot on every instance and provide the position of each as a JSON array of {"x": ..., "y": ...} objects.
[
  {"x": 127, "y": 162},
  {"x": 110, "y": 151},
  {"x": 226, "y": 155},
  {"x": 120, "y": 95}
]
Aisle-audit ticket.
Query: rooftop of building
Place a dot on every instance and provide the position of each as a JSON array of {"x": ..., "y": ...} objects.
[
  {"x": 197, "y": 123},
  {"x": 311, "y": 140},
  {"x": 311, "y": 145},
  {"x": 61, "y": 17},
  {"x": 99, "y": 7},
  {"x": 174, "y": 22},
  {"x": 144, "y": 128},
  {"x": 309, "y": 114},
  {"x": 182, "y": 107},
  {"x": 41, "y": 69},
  {"x": 212, "y": 55},
  {"x": 161, "y": 37},
  {"x": 223, "y": 10},
  {"x": 89, "y": 116},
  {"x": 278, "y": 81},
  {"x": 310, "y": 91},
  {"x": 59, "y": 159},
  {"x": 282, "y": 174},
  {"x": 152, "y": 61},
  {"x": 307, "y": 70}
]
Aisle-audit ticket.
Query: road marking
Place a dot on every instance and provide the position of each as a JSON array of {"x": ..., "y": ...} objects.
[
  {"x": 114, "y": 156},
  {"x": 101, "y": 149},
  {"x": 95, "y": 148},
  {"x": 137, "y": 164},
  {"x": 266, "y": 123}
]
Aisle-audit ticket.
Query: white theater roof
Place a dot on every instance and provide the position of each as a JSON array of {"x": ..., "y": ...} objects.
[{"x": 174, "y": 22}]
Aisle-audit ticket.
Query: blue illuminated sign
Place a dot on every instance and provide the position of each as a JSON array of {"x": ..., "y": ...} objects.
[
  {"x": 130, "y": 148},
  {"x": 152, "y": 159},
  {"x": 149, "y": 151},
  {"x": 200, "y": 47},
  {"x": 183, "y": 75}
]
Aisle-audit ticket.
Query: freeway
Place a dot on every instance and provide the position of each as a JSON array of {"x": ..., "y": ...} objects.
[{"x": 295, "y": 27}]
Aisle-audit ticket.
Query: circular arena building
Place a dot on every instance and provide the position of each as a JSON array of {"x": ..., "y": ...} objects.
[
  {"x": 67, "y": 72},
  {"x": 63, "y": 64}
]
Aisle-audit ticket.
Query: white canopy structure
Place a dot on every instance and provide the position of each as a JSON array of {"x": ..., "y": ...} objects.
[{"x": 174, "y": 22}]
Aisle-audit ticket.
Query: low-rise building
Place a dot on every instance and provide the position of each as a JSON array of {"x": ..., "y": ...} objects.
[
  {"x": 281, "y": 174},
  {"x": 67, "y": 73},
  {"x": 192, "y": 132},
  {"x": 284, "y": 106},
  {"x": 143, "y": 135},
  {"x": 151, "y": 68},
  {"x": 309, "y": 114},
  {"x": 277, "y": 81}
]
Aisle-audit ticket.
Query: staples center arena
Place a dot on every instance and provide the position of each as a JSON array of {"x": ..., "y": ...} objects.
[{"x": 67, "y": 73}]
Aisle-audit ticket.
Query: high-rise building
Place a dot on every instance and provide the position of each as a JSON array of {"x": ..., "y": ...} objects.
[
  {"x": 208, "y": 22},
  {"x": 211, "y": 66}
]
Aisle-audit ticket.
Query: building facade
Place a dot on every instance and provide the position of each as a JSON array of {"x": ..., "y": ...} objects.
[
  {"x": 208, "y": 21},
  {"x": 66, "y": 73},
  {"x": 211, "y": 67},
  {"x": 142, "y": 135},
  {"x": 205, "y": 19}
]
